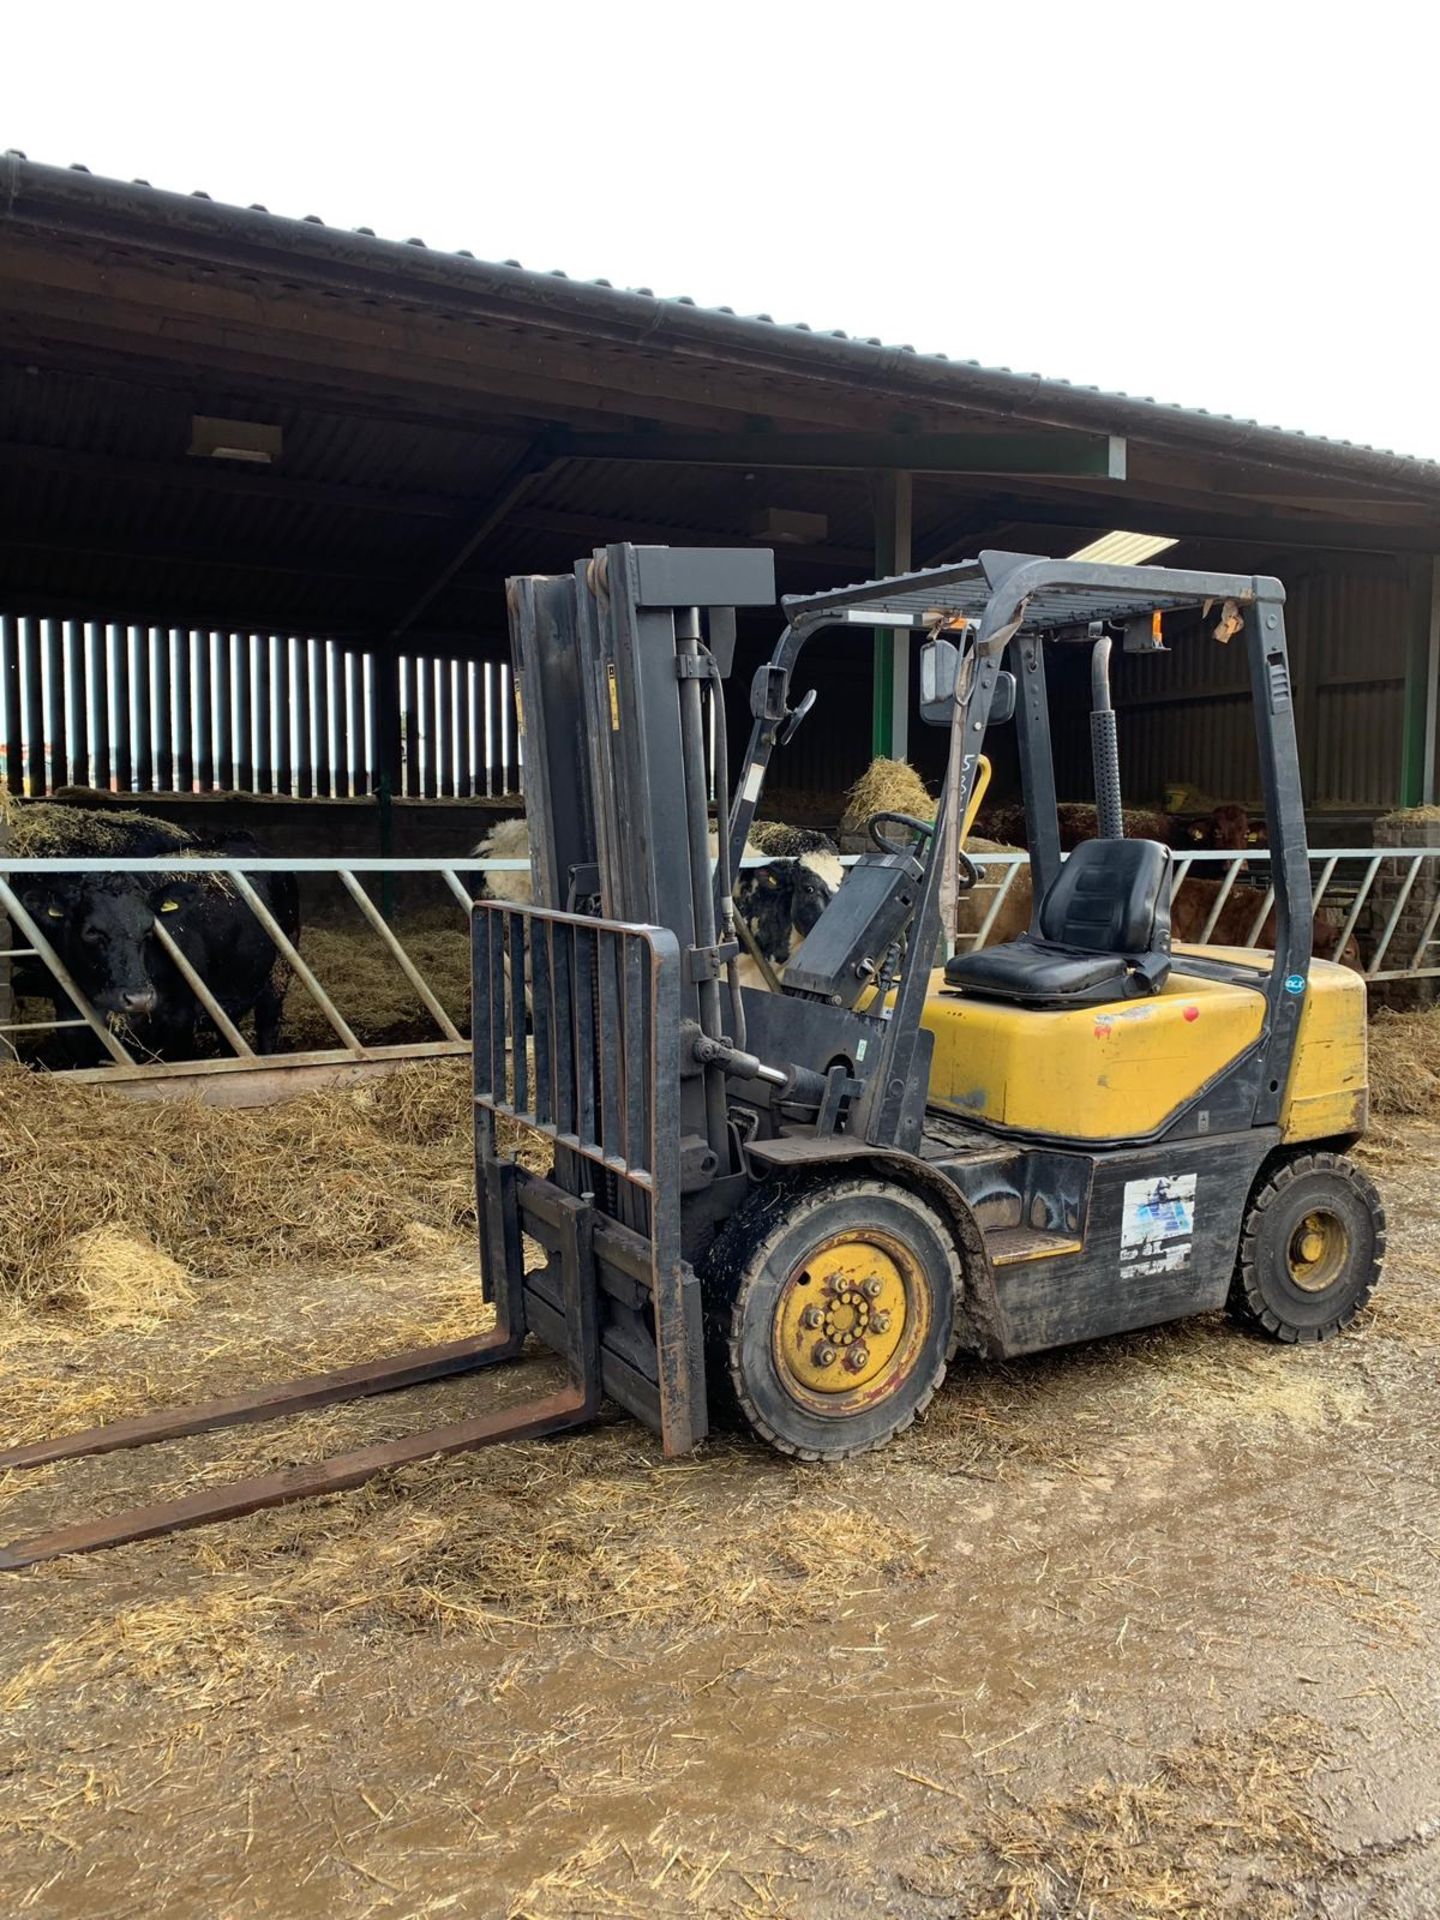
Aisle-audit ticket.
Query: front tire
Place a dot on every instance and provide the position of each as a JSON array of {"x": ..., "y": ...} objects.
[
  {"x": 832, "y": 1314},
  {"x": 1311, "y": 1249}
]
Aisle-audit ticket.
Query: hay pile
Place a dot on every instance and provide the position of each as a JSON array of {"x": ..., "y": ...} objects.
[
  {"x": 95, "y": 1190},
  {"x": 886, "y": 786},
  {"x": 373, "y": 995},
  {"x": 43, "y": 830},
  {"x": 1405, "y": 1063}
]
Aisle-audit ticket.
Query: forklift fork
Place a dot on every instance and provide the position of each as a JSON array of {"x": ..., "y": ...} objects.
[{"x": 573, "y": 1405}]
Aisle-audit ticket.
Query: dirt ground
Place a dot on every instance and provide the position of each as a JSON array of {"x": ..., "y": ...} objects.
[{"x": 1141, "y": 1628}]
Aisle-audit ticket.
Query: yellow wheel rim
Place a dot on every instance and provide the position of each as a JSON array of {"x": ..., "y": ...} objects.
[
  {"x": 850, "y": 1322},
  {"x": 1319, "y": 1248}
]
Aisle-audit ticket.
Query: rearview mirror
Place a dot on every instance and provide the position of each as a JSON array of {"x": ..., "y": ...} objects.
[{"x": 939, "y": 668}]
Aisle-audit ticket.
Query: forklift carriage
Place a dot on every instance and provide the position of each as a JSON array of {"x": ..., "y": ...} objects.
[{"x": 794, "y": 1206}]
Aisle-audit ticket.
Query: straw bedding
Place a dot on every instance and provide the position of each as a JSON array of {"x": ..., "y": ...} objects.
[{"x": 328, "y": 1177}]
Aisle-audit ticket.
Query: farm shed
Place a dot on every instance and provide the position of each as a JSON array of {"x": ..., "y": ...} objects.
[{"x": 273, "y": 476}]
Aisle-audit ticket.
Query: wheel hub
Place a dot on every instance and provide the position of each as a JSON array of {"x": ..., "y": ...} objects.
[
  {"x": 1318, "y": 1250},
  {"x": 841, "y": 1318}
]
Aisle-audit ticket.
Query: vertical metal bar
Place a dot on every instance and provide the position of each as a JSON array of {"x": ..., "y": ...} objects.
[
  {"x": 138, "y": 641},
  {"x": 57, "y": 704},
  {"x": 410, "y": 722},
  {"x": 282, "y": 713},
  {"x": 541, "y": 1021},
  {"x": 77, "y": 699},
  {"x": 637, "y": 1078},
  {"x": 323, "y": 760},
  {"x": 582, "y": 1002},
  {"x": 441, "y": 729},
  {"x": 118, "y": 648},
  {"x": 97, "y": 648},
  {"x": 12, "y": 731},
  {"x": 1182, "y": 870},
  {"x": 262, "y": 715},
  {"x": 204, "y": 711},
  {"x": 611, "y": 1058},
  {"x": 678, "y": 1341},
  {"x": 1233, "y": 867},
  {"x": 1402, "y": 900},
  {"x": 482, "y": 927},
  {"x": 562, "y": 972},
  {"x": 465, "y": 727},
  {"x": 425, "y": 724},
  {"x": 304, "y": 753},
  {"x": 357, "y": 758},
  {"x": 504, "y": 702},
  {"x": 518, "y": 1059},
  {"x": 180, "y": 697},
  {"x": 500, "y": 1050},
  {"x": 162, "y": 725},
  {"x": 33, "y": 687},
  {"x": 287, "y": 947},
  {"x": 242, "y": 666},
  {"x": 223, "y": 710},
  {"x": 1355, "y": 906},
  {"x": 489, "y": 727},
  {"x": 407, "y": 966}
]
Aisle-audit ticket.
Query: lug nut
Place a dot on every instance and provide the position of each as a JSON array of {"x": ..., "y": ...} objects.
[
  {"x": 873, "y": 1287},
  {"x": 824, "y": 1355},
  {"x": 812, "y": 1317},
  {"x": 857, "y": 1359},
  {"x": 879, "y": 1322}
]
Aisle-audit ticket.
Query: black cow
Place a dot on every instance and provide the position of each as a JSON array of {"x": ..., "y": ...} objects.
[
  {"x": 781, "y": 902},
  {"x": 102, "y": 926}
]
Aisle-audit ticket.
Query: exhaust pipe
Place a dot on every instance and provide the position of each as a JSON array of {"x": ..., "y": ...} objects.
[{"x": 1104, "y": 746}]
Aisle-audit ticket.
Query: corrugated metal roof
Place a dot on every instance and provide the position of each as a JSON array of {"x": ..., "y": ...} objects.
[{"x": 641, "y": 318}]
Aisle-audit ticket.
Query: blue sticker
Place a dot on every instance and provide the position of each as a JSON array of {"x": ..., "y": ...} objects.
[{"x": 1295, "y": 983}]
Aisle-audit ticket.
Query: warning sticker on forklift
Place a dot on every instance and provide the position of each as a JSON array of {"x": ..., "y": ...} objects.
[{"x": 1158, "y": 1224}]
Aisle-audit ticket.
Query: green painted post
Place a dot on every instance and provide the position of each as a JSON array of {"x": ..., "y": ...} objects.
[
  {"x": 882, "y": 697},
  {"x": 889, "y": 731},
  {"x": 1417, "y": 744}
]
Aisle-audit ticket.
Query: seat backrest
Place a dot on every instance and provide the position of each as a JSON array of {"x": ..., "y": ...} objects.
[{"x": 1111, "y": 896}]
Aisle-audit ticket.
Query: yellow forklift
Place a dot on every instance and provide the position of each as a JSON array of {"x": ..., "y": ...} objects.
[{"x": 794, "y": 1207}]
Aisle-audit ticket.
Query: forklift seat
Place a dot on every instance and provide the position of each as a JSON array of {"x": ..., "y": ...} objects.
[{"x": 1104, "y": 934}]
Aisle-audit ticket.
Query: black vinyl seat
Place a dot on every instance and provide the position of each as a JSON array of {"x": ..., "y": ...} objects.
[{"x": 1104, "y": 934}]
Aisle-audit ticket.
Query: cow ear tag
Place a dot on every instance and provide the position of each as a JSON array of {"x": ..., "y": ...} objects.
[{"x": 169, "y": 906}]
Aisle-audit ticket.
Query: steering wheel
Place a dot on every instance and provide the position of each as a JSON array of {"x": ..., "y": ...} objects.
[
  {"x": 920, "y": 829},
  {"x": 968, "y": 875}
]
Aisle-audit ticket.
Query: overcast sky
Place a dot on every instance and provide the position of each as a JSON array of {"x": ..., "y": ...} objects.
[{"x": 1226, "y": 205}]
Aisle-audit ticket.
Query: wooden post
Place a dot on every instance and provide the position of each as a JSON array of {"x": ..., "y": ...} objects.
[{"x": 894, "y": 515}]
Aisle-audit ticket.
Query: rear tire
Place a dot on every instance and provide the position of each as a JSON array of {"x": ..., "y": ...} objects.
[
  {"x": 831, "y": 1314},
  {"x": 1311, "y": 1249}
]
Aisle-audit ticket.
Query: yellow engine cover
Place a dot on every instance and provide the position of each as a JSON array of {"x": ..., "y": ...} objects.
[{"x": 1119, "y": 1071}]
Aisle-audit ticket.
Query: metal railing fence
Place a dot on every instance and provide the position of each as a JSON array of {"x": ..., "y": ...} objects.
[{"x": 1383, "y": 902}]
